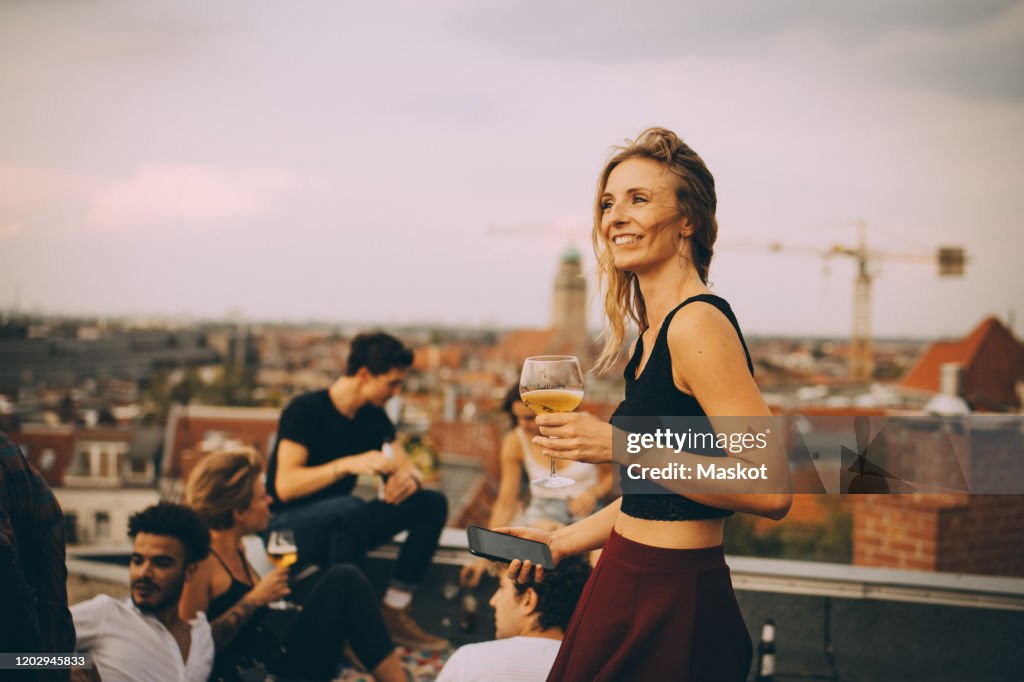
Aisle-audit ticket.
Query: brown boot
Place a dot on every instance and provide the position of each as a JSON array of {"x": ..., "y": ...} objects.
[{"x": 405, "y": 631}]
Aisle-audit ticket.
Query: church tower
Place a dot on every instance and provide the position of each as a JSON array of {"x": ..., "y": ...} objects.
[{"x": 569, "y": 318}]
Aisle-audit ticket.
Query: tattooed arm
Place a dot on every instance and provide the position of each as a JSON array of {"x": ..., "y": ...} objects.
[
  {"x": 271, "y": 587},
  {"x": 198, "y": 592},
  {"x": 232, "y": 621}
]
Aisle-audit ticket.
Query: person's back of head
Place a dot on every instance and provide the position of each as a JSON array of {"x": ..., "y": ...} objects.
[
  {"x": 222, "y": 484},
  {"x": 533, "y": 608},
  {"x": 379, "y": 353},
  {"x": 559, "y": 592}
]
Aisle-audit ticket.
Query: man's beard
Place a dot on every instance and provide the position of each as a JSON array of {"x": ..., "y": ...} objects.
[{"x": 173, "y": 592}]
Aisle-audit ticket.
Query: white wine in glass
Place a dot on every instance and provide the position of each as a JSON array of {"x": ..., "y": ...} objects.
[
  {"x": 552, "y": 383},
  {"x": 283, "y": 552}
]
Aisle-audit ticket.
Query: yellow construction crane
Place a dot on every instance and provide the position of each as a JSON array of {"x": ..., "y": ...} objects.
[{"x": 950, "y": 261}]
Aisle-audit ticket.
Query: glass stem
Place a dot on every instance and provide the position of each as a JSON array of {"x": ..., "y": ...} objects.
[{"x": 554, "y": 472}]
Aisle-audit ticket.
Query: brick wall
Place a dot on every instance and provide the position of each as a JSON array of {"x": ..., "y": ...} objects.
[
  {"x": 956, "y": 533},
  {"x": 895, "y": 531},
  {"x": 969, "y": 533},
  {"x": 985, "y": 535}
]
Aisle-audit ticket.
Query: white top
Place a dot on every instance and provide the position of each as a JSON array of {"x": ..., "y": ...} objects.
[
  {"x": 584, "y": 473},
  {"x": 129, "y": 645},
  {"x": 516, "y": 659}
]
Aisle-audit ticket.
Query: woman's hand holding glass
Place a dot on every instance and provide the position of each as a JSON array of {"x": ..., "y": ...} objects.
[
  {"x": 551, "y": 383},
  {"x": 283, "y": 552},
  {"x": 271, "y": 587},
  {"x": 578, "y": 436}
]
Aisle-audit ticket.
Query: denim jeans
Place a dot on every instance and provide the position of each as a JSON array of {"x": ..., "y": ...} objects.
[{"x": 342, "y": 529}]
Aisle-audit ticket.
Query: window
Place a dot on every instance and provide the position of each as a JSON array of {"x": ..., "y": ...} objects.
[
  {"x": 47, "y": 459},
  {"x": 102, "y": 525},
  {"x": 107, "y": 460},
  {"x": 71, "y": 527},
  {"x": 79, "y": 464}
]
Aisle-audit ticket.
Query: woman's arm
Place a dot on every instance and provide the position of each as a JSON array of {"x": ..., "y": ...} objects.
[
  {"x": 587, "y": 534},
  {"x": 708, "y": 362},
  {"x": 230, "y": 623},
  {"x": 271, "y": 587},
  {"x": 582, "y": 536},
  {"x": 508, "y": 487},
  {"x": 583, "y": 503},
  {"x": 196, "y": 595}
]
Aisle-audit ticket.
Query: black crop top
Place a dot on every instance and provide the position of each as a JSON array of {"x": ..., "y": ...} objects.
[
  {"x": 220, "y": 605},
  {"x": 654, "y": 393}
]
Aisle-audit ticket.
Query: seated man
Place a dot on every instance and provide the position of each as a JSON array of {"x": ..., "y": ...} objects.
[
  {"x": 324, "y": 440},
  {"x": 142, "y": 638},
  {"x": 530, "y": 621}
]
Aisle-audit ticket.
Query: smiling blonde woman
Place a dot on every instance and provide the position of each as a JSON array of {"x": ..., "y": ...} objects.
[{"x": 660, "y": 604}]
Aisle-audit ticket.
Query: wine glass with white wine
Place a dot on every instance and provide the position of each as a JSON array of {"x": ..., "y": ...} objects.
[
  {"x": 552, "y": 383},
  {"x": 283, "y": 552}
]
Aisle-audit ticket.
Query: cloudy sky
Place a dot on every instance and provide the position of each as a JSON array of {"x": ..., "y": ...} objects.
[{"x": 344, "y": 161}]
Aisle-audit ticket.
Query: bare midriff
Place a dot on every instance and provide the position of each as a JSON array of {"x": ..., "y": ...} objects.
[{"x": 671, "y": 534}]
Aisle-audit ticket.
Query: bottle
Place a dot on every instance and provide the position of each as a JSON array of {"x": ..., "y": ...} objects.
[
  {"x": 390, "y": 454},
  {"x": 469, "y": 607},
  {"x": 766, "y": 653}
]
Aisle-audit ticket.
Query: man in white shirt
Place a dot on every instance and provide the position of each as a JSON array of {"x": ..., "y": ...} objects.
[
  {"x": 530, "y": 621},
  {"x": 143, "y": 638}
]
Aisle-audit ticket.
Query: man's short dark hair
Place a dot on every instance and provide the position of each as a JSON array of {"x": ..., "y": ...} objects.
[
  {"x": 559, "y": 592},
  {"x": 176, "y": 521},
  {"x": 379, "y": 353}
]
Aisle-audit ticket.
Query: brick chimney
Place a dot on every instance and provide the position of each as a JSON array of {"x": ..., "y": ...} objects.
[
  {"x": 971, "y": 533},
  {"x": 956, "y": 533}
]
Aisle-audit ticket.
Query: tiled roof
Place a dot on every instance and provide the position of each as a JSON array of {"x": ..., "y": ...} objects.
[
  {"x": 522, "y": 343},
  {"x": 192, "y": 430},
  {"x": 992, "y": 359},
  {"x": 475, "y": 439},
  {"x": 35, "y": 439}
]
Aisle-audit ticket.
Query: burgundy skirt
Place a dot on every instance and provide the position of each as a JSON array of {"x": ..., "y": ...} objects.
[{"x": 649, "y": 613}]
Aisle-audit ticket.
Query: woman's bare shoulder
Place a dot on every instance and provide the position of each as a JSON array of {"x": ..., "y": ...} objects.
[
  {"x": 701, "y": 338},
  {"x": 701, "y": 322},
  {"x": 511, "y": 446}
]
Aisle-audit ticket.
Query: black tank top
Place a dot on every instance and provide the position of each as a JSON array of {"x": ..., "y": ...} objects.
[
  {"x": 221, "y": 603},
  {"x": 652, "y": 394}
]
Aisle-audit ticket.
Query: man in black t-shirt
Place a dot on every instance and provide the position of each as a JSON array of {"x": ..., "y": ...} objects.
[{"x": 324, "y": 441}]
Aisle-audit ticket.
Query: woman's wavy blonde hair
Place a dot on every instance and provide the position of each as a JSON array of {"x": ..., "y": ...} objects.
[
  {"x": 221, "y": 483},
  {"x": 695, "y": 195}
]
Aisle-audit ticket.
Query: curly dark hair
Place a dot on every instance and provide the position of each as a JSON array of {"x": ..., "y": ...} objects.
[
  {"x": 558, "y": 593},
  {"x": 176, "y": 521},
  {"x": 379, "y": 353}
]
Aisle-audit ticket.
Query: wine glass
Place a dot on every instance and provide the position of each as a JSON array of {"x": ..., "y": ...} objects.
[
  {"x": 552, "y": 383},
  {"x": 283, "y": 552}
]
